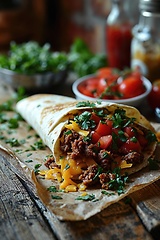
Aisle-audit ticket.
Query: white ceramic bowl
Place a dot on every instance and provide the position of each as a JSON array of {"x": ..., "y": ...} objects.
[{"x": 135, "y": 101}]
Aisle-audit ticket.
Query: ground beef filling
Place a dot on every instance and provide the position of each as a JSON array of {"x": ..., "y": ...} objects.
[{"x": 75, "y": 145}]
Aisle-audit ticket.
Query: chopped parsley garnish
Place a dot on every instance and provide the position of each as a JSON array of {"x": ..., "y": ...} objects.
[
  {"x": 67, "y": 132},
  {"x": 86, "y": 104},
  {"x": 151, "y": 137},
  {"x": 99, "y": 171},
  {"x": 52, "y": 189},
  {"x": 56, "y": 197},
  {"x": 153, "y": 164},
  {"x": 13, "y": 142},
  {"x": 134, "y": 139},
  {"x": 122, "y": 136},
  {"x": 120, "y": 119},
  {"x": 38, "y": 145},
  {"x": 67, "y": 167},
  {"x": 107, "y": 193},
  {"x": 36, "y": 168},
  {"x": 84, "y": 120},
  {"x": 87, "y": 197},
  {"x": 29, "y": 160},
  {"x": 118, "y": 183}
]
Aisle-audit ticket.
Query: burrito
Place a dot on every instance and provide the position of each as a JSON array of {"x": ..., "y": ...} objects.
[{"x": 94, "y": 145}]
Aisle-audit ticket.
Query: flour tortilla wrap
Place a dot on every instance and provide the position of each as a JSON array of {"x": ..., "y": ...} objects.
[{"x": 48, "y": 115}]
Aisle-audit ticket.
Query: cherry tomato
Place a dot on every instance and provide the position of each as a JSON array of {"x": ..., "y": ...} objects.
[
  {"x": 105, "y": 141},
  {"x": 154, "y": 96},
  {"x": 105, "y": 71},
  {"x": 102, "y": 85},
  {"x": 88, "y": 87},
  {"x": 131, "y": 86}
]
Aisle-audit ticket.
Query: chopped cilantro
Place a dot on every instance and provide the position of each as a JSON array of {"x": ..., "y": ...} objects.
[
  {"x": 99, "y": 171},
  {"x": 118, "y": 183},
  {"x": 107, "y": 193},
  {"x": 153, "y": 164},
  {"x": 134, "y": 139},
  {"x": 67, "y": 167},
  {"x": 87, "y": 197},
  {"x": 84, "y": 120},
  {"x": 38, "y": 145},
  {"x": 29, "y": 154},
  {"x": 86, "y": 104},
  {"x": 151, "y": 137},
  {"x": 13, "y": 142},
  {"x": 52, "y": 189},
  {"x": 122, "y": 136},
  {"x": 56, "y": 197},
  {"x": 36, "y": 168},
  {"x": 67, "y": 132},
  {"x": 29, "y": 160}
]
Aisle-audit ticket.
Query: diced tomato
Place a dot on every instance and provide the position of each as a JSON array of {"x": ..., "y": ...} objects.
[
  {"x": 95, "y": 137},
  {"x": 103, "y": 129},
  {"x": 95, "y": 118},
  {"x": 116, "y": 130},
  {"x": 105, "y": 141},
  {"x": 130, "y": 146},
  {"x": 105, "y": 71},
  {"x": 109, "y": 123},
  {"x": 129, "y": 131},
  {"x": 142, "y": 140}
]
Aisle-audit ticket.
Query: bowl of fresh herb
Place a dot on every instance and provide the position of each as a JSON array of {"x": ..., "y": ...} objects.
[{"x": 32, "y": 66}]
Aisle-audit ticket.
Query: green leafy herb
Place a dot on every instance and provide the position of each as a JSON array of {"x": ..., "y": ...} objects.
[
  {"x": 67, "y": 132},
  {"x": 38, "y": 145},
  {"x": 13, "y": 123},
  {"x": 153, "y": 164},
  {"x": 56, "y": 197},
  {"x": 99, "y": 171},
  {"x": 67, "y": 167},
  {"x": 151, "y": 137},
  {"x": 36, "y": 168},
  {"x": 122, "y": 136},
  {"x": 85, "y": 104},
  {"x": 30, "y": 58},
  {"x": 13, "y": 142},
  {"x": 87, "y": 197},
  {"x": 119, "y": 182},
  {"x": 134, "y": 139},
  {"x": 82, "y": 61},
  {"x": 84, "y": 120},
  {"x": 29, "y": 154},
  {"x": 52, "y": 189},
  {"x": 107, "y": 193},
  {"x": 29, "y": 160}
]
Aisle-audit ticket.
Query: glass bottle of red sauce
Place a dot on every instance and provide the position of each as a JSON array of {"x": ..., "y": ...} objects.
[{"x": 118, "y": 36}]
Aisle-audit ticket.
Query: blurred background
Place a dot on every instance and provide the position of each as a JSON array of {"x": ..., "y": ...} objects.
[{"x": 58, "y": 22}]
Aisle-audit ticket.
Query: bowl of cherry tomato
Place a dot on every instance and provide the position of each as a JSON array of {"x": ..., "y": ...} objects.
[{"x": 108, "y": 84}]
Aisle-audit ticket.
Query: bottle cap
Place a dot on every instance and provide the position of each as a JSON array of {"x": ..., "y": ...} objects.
[{"x": 152, "y": 6}]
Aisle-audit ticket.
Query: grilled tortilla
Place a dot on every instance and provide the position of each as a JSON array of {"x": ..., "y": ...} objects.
[{"x": 91, "y": 143}]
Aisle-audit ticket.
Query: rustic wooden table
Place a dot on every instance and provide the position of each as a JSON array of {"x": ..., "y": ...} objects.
[{"x": 24, "y": 217}]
